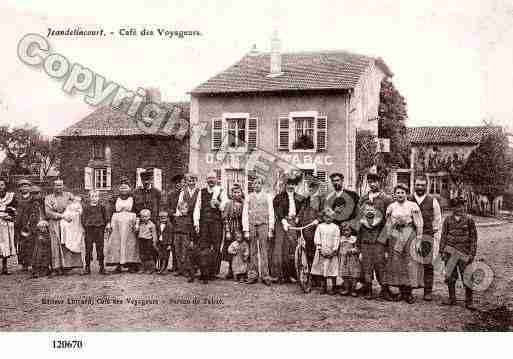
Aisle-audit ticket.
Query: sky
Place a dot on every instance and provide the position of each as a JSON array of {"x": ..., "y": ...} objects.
[{"x": 452, "y": 60}]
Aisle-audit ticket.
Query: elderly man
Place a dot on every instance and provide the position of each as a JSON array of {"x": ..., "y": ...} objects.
[
  {"x": 208, "y": 223},
  {"x": 147, "y": 197},
  {"x": 24, "y": 242},
  {"x": 432, "y": 217},
  {"x": 287, "y": 206}
]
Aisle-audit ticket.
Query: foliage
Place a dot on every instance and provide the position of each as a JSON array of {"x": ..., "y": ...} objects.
[
  {"x": 392, "y": 125},
  {"x": 366, "y": 151},
  {"x": 27, "y": 151},
  {"x": 489, "y": 167}
]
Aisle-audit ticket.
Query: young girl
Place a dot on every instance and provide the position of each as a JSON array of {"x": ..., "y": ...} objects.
[
  {"x": 72, "y": 232},
  {"x": 350, "y": 267},
  {"x": 327, "y": 241},
  {"x": 239, "y": 249}
]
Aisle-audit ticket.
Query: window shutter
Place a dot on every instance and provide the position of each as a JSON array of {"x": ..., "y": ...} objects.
[
  {"x": 283, "y": 134},
  {"x": 251, "y": 176},
  {"x": 88, "y": 178},
  {"x": 138, "y": 181},
  {"x": 321, "y": 175},
  {"x": 322, "y": 133},
  {"x": 217, "y": 133},
  {"x": 252, "y": 133},
  {"x": 108, "y": 184},
  {"x": 157, "y": 178}
]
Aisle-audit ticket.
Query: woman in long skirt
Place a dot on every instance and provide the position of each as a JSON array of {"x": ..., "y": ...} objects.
[
  {"x": 404, "y": 232},
  {"x": 55, "y": 205},
  {"x": 7, "y": 213},
  {"x": 122, "y": 248}
]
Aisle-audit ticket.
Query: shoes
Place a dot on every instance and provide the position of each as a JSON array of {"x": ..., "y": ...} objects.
[
  {"x": 450, "y": 301},
  {"x": 344, "y": 292},
  {"x": 354, "y": 294},
  {"x": 204, "y": 281},
  {"x": 190, "y": 280},
  {"x": 251, "y": 281},
  {"x": 117, "y": 270},
  {"x": 267, "y": 282},
  {"x": 86, "y": 271},
  {"x": 102, "y": 270},
  {"x": 428, "y": 297},
  {"x": 177, "y": 274},
  {"x": 470, "y": 307},
  {"x": 410, "y": 299}
]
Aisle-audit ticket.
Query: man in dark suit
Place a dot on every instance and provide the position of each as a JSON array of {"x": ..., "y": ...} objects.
[
  {"x": 178, "y": 181},
  {"x": 287, "y": 207},
  {"x": 147, "y": 197}
]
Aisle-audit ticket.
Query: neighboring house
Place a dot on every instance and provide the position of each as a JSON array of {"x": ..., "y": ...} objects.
[
  {"x": 439, "y": 151},
  {"x": 297, "y": 110},
  {"x": 107, "y": 145}
]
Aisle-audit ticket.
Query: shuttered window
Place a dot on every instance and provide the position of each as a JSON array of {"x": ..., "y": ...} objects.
[
  {"x": 252, "y": 133},
  {"x": 217, "y": 133},
  {"x": 283, "y": 133},
  {"x": 322, "y": 133},
  {"x": 237, "y": 132}
]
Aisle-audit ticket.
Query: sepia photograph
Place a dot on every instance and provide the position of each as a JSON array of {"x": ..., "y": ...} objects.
[{"x": 271, "y": 166}]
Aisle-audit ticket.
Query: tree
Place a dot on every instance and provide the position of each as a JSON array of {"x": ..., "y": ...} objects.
[
  {"x": 366, "y": 151},
  {"x": 27, "y": 151},
  {"x": 392, "y": 125},
  {"x": 488, "y": 168}
]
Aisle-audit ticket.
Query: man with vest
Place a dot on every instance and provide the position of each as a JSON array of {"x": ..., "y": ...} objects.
[
  {"x": 208, "y": 223},
  {"x": 432, "y": 217}
]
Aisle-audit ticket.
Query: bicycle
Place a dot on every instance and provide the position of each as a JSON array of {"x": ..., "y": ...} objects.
[{"x": 301, "y": 264}]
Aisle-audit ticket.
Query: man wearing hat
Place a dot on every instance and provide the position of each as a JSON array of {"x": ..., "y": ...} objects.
[
  {"x": 147, "y": 197},
  {"x": 287, "y": 206},
  {"x": 208, "y": 223},
  {"x": 24, "y": 243},
  {"x": 372, "y": 210}
]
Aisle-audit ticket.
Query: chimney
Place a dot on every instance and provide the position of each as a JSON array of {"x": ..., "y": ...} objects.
[{"x": 275, "y": 68}]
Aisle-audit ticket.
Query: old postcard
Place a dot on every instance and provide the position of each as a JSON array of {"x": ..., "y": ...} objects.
[{"x": 277, "y": 166}]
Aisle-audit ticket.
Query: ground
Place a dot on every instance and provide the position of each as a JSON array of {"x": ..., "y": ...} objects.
[{"x": 244, "y": 307}]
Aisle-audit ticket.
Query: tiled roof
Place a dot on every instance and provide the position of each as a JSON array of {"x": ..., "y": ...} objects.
[
  {"x": 106, "y": 121},
  {"x": 325, "y": 70},
  {"x": 449, "y": 135}
]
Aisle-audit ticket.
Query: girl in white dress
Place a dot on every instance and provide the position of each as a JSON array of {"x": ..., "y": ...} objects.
[
  {"x": 327, "y": 241},
  {"x": 72, "y": 232}
]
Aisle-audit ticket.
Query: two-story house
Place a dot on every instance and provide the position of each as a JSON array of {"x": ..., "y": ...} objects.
[{"x": 299, "y": 110}]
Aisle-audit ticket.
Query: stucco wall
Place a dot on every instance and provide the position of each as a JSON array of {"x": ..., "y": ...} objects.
[{"x": 268, "y": 109}]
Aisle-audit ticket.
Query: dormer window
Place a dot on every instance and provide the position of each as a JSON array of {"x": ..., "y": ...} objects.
[{"x": 98, "y": 150}]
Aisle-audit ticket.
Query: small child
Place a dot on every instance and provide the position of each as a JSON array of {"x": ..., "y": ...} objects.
[
  {"x": 458, "y": 247},
  {"x": 147, "y": 238},
  {"x": 164, "y": 242},
  {"x": 94, "y": 219},
  {"x": 42, "y": 257},
  {"x": 327, "y": 241},
  {"x": 350, "y": 267},
  {"x": 239, "y": 249}
]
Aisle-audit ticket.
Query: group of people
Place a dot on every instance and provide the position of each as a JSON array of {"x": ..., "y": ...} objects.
[{"x": 348, "y": 239}]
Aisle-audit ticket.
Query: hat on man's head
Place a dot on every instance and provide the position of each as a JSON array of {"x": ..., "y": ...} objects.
[
  {"x": 146, "y": 175},
  {"x": 336, "y": 174},
  {"x": 24, "y": 182},
  {"x": 35, "y": 189},
  {"x": 293, "y": 178}
]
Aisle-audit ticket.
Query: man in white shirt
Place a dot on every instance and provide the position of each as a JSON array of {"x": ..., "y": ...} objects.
[
  {"x": 208, "y": 223},
  {"x": 432, "y": 217}
]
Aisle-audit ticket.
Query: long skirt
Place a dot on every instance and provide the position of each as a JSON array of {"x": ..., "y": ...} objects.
[
  {"x": 282, "y": 265},
  {"x": 7, "y": 247},
  {"x": 26, "y": 245},
  {"x": 402, "y": 268},
  {"x": 62, "y": 257},
  {"x": 42, "y": 257},
  {"x": 122, "y": 246}
]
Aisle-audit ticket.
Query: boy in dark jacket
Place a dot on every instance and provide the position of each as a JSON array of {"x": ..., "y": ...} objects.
[
  {"x": 458, "y": 246},
  {"x": 164, "y": 241},
  {"x": 94, "y": 219}
]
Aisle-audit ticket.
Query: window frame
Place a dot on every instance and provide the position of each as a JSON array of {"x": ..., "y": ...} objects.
[
  {"x": 316, "y": 115},
  {"x": 95, "y": 183},
  {"x": 96, "y": 145},
  {"x": 230, "y": 116}
]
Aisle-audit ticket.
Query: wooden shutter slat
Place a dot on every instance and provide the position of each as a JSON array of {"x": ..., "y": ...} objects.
[
  {"x": 322, "y": 133},
  {"x": 252, "y": 133},
  {"x": 88, "y": 178},
  {"x": 217, "y": 133},
  {"x": 283, "y": 134}
]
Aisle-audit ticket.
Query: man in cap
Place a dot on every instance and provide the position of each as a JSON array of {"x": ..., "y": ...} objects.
[
  {"x": 147, "y": 197},
  {"x": 24, "y": 243},
  {"x": 372, "y": 210},
  {"x": 287, "y": 206},
  {"x": 208, "y": 223}
]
